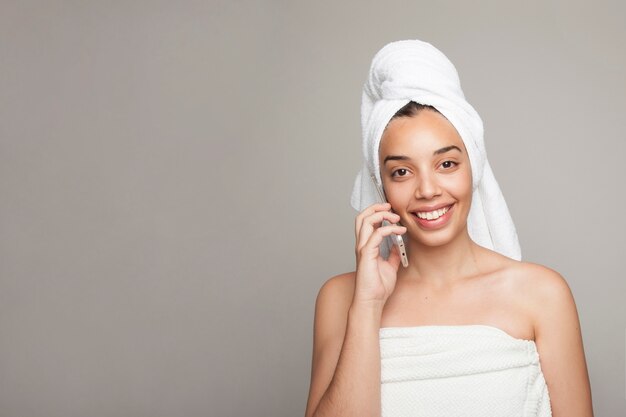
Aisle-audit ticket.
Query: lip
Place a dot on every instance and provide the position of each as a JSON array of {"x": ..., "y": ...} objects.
[{"x": 434, "y": 224}]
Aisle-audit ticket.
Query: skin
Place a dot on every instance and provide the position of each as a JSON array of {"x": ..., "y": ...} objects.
[{"x": 450, "y": 279}]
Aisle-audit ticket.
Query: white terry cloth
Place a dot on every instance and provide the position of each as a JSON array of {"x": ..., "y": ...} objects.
[
  {"x": 413, "y": 70},
  {"x": 463, "y": 370}
]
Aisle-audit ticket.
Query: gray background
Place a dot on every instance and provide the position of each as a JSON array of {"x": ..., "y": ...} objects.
[{"x": 175, "y": 182}]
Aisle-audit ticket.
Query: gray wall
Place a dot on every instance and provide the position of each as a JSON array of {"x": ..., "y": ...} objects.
[{"x": 175, "y": 182}]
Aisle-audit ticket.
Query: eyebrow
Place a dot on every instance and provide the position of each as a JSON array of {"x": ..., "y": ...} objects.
[{"x": 406, "y": 158}]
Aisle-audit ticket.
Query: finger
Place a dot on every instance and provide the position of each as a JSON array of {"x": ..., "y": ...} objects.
[
  {"x": 372, "y": 222},
  {"x": 367, "y": 212},
  {"x": 371, "y": 249}
]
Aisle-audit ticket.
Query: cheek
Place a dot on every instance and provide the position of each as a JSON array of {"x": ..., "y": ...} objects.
[
  {"x": 465, "y": 177},
  {"x": 460, "y": 186},
  {"x": 398, "y": 193},
  {"x": 395, "y": 198}
]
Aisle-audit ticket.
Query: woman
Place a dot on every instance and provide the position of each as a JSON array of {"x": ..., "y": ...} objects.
[{"x": 467, "y": 328}]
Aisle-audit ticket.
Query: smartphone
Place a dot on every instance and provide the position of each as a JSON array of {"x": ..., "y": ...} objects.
[{"x": 392, "y": 239}]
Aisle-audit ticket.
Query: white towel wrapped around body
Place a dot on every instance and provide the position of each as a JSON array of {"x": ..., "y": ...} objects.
[
  {"x": 413, "y": 70},
  {"x": 464, "y": 370}
]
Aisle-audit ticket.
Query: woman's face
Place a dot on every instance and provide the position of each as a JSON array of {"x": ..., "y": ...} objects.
[{"x": 424, "y": 163}]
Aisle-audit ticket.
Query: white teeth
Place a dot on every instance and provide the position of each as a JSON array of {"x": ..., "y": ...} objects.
[{"x": 432, "y": 215}]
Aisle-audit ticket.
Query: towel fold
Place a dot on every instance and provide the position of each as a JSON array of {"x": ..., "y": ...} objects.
[
  {"x": 413, "y": 70},
  {"x": 465, "y": 370}
]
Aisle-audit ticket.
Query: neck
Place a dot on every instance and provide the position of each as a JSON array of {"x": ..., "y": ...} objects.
[{"x": 443, "y": 265}]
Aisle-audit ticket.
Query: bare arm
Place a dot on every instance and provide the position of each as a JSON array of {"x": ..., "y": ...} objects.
[
  {"x": 345, "y": 376},
  {"x": 560, "y": 346}
]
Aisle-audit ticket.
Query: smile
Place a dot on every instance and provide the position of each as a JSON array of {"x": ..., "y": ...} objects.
[
  {"x": 434, "y": 219},
  {"x": 433, "y": 215}
]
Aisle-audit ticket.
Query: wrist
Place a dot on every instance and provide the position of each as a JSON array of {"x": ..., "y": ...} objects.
[{"x": 368, "y": 311}]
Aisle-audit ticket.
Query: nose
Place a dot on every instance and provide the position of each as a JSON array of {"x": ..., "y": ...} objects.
[{"x": 427, "y": 187}]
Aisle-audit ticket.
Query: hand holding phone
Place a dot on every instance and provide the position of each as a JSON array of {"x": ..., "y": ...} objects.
[{"x": 375, "y": 276}]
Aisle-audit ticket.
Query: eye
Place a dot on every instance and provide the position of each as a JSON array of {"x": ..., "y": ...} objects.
[
  {"x": 393, "y": 174},
  {"x": 455, "y": 163}
]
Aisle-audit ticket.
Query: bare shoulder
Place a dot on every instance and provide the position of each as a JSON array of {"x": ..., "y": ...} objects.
[
  {"x": 521, "y": 275},
  {"x": 331, "y": 308},
  {"x": 540, "y": 282},
  {"x": 527, "y": 281},
  {"x": 547, "y": 295},
  {"x": 335, "y": 296},
  {"x": 341, "y": 283}
]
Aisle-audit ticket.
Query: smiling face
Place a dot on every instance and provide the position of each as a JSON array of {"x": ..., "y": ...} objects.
[{"x": 424, "y": 165}]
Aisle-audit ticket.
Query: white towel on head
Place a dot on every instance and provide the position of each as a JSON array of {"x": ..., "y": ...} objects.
[{"x": 413, "y": 70}]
